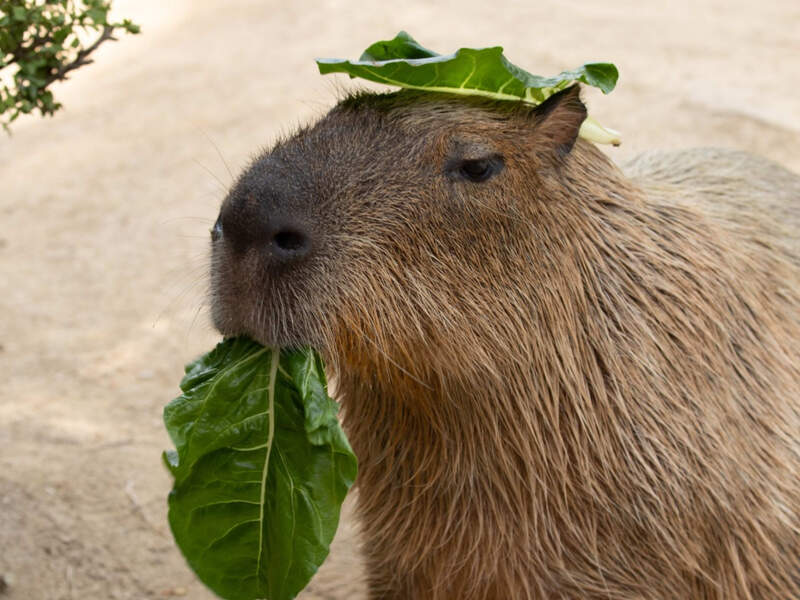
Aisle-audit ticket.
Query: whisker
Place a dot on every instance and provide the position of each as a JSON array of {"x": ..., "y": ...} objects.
[
  {"x": 194, "y": 319},
  {"x": 192, "y": 236},
  {"x": 173, "y": 220},
  {"x": 219, "y": 152},
  {"x": 210, "y": 172},
  {"x": 191, "y": 286}
]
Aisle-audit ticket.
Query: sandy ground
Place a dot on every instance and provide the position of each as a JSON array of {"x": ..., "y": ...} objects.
[{"x": 106, "y": 209}]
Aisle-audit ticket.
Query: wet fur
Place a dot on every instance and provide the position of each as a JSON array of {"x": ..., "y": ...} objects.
[{"x": 565, "y": 382}]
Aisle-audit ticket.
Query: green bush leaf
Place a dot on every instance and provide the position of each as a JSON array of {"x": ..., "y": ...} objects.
[
  {"x": 261, "y": 468},
  {"x": 98, "y": 14},
  {"x": 40, "y": 43}
]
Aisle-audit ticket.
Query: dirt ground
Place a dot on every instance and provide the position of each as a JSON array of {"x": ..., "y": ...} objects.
[{"x": 106, "y": 210}]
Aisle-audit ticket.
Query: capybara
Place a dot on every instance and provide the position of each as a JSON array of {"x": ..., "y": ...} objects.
[{"x": 562, "y": 380}]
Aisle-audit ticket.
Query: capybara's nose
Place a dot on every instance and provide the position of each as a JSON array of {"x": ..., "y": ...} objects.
[{"x": 248, "y": 224}]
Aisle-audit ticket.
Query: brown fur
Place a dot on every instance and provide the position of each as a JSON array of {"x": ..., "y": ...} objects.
[{"x": 561, "y": 383}]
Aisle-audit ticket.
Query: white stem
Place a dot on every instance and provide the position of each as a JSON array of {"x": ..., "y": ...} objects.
[{"x": 594, "y": 132}]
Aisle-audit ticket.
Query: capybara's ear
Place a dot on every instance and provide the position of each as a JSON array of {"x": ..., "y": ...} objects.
[{"x": 558, "y": 120}]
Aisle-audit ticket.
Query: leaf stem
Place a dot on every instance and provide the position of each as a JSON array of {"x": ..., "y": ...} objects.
[{"x": 275, "y": 355}]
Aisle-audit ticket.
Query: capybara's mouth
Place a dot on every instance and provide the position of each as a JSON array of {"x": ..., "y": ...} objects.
[
  {"x": 270, "y": 320},
  {"x": 283, "y": 313}
]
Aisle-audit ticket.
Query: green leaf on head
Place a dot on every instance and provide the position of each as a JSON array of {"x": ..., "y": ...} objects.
[{"x": 405, "y": 63}]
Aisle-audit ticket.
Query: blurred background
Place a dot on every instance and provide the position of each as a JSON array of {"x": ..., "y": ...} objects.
[{"x": 105, "y": 211}]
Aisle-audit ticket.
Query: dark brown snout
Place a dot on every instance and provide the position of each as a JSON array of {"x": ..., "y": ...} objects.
[{"x": 267, "y": 223}]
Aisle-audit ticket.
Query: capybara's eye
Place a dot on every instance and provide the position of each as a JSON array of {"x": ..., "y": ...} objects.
[{"x": 479, "y": 169}]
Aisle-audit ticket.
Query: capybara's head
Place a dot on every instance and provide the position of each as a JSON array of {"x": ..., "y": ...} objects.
[{"x": 401, "y": 229}]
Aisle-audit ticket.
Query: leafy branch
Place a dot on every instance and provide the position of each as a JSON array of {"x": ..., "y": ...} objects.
[{"x": 41, "y": 42}]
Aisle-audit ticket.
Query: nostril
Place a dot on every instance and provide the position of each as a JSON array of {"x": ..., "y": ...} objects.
[{"x": 292, "y": 242}]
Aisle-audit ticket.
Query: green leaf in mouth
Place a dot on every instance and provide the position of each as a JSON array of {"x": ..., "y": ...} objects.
[{"x": 261, "y": 468}]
